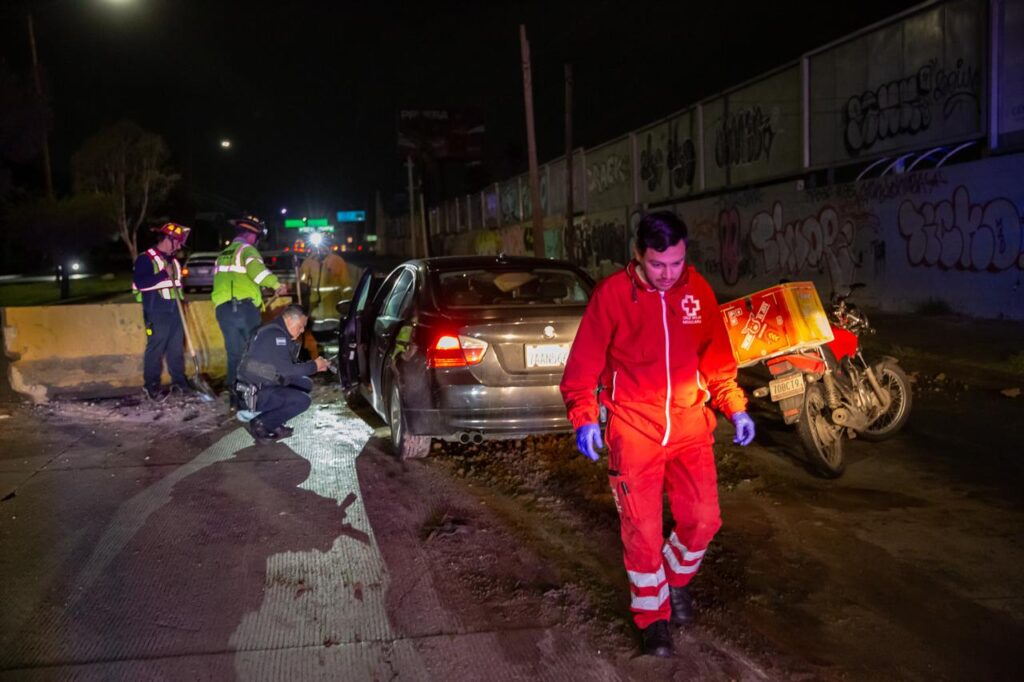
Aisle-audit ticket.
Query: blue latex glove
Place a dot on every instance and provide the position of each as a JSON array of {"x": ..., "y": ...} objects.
[
  {"x": 588, "y": 437},
  {"x": 744, "y": 428}
]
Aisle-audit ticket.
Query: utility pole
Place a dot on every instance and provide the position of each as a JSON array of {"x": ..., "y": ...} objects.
[
  {"x": 39, "y": 93},
  {"x": 570, "y": 210},
  {"x": 531, "y": 142},
  {"x": 423, "y": 228},
  {"x": 412, "y": 208}
]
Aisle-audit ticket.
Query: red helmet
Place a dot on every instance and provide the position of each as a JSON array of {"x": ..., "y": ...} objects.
[{"x": 175, "y": 231}]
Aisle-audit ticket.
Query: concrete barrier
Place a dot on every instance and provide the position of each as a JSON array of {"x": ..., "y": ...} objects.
[{"x": 94, "y": 350}]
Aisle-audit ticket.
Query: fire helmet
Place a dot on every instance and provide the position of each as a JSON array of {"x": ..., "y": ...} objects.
[
  {"x": 175, "y": 231},
  {"x": 250, "y": 223}
]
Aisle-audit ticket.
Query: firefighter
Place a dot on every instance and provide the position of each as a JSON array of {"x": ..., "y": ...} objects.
[
  {"x": 156, "y": 283},
  {"x": 324, "y": 277},
  {"x": 238, "y": 276},
  {"x": 653, "y": 339},
  {"x": 280, "y": 385}
]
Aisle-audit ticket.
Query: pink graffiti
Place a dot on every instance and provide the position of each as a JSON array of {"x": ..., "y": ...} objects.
[
  {"x": 963, "y": 236},
  {"x": 814, "y": 243}
]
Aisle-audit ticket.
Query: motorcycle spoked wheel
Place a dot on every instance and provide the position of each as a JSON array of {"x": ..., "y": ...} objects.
[
  {"x": 893, "y": 379},
  {"x": 822, "y": 440}
]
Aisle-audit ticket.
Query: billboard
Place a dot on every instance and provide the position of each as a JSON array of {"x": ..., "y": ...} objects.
[
  {"x": 1010, "y": 69},
  {"x": 913, "y": 83},
  {"x": 754, "y": 133},
  {"x": 556, "y": 185},
  {"x": 442, "y": 134},
  {"x": 667, "y": 158},
  {"x": 610, "y": 175}
]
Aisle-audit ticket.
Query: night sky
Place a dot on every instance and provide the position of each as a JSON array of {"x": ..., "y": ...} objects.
[{"x": 308, "y": 91}]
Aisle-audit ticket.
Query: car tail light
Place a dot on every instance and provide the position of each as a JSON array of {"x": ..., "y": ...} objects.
[{"x": 455, "y": 351}]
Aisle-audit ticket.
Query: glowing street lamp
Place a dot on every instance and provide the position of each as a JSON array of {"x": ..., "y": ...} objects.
[{"x": 225, "y": 144}]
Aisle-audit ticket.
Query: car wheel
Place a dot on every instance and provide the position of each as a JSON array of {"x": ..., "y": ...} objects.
[{"x": 407, "y": 446}]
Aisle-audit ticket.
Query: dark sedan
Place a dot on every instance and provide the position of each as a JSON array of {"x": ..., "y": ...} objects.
[{"x": 463, "y": 348}]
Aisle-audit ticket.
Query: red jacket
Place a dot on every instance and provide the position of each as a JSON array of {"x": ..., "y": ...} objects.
[{"x": 660, "y": 357}]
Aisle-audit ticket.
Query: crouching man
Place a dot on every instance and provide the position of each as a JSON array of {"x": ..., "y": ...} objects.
[{"x": 276, "y": 383}]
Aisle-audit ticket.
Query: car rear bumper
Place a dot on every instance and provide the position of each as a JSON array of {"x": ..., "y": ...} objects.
[{"x": 492, "y": 412}]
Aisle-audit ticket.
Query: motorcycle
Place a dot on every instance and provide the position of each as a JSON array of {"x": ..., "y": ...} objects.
[{"x": 832, "y": 393}]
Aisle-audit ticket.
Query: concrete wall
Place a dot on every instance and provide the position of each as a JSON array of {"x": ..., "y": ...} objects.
[
  {"x": 954, "y": 234},
  {"x": 93, "y": 349}
]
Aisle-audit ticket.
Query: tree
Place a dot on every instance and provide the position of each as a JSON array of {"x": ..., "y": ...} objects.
[
  {"x": 55, "y": 230},
  {"x": 130, "y": 165}
]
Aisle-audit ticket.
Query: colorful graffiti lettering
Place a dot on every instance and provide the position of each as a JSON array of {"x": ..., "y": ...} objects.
[
  {"x": 604, "y": 175},
  {"x": 745, "y": 136},
  {"x": 963, "y": 236},
  {"x": 822, "y": 242},
  {"x": 904, "y": 106}
]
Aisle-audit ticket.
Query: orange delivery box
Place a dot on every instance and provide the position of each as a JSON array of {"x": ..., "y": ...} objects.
[{"x": 782, "y": 319}]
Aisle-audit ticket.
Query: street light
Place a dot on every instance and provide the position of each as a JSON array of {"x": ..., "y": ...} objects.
[
  {"x": 284, "y": 211},
  {"x": 225, "y": 144}
]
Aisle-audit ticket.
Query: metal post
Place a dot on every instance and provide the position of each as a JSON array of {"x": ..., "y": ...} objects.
[
  {"x": 412, "y": 208},
  {"x": 423, "y": 229},
  {"x": 47, "y": 170},
  {"x": 570, "y": 210},
  {"x": 531, "y": 143}
]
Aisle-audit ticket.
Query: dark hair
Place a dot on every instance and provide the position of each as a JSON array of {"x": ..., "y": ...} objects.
[{"x": 659, "y": 230}]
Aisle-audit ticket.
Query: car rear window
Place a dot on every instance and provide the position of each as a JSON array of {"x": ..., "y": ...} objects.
[{"x": 513, "y": 287}]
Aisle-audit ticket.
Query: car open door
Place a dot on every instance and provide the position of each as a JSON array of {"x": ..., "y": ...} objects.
[{"x": 352, "y": 341}]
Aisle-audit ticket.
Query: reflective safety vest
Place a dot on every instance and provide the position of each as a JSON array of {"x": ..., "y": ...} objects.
[
  {"x": 169, "y": 288},
  {"x": 239, "y": 274}
]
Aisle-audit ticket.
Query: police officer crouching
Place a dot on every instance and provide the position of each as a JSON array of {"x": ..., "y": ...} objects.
[{"x": 276, "y": 385}]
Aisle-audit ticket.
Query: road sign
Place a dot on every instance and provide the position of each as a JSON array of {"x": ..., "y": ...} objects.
[
  {"x": 351, "y": 216},
  {"x": 293, "y": 223}
]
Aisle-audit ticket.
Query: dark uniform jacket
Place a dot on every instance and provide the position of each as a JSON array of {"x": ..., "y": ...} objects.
[{"x": 269, "y": 359}]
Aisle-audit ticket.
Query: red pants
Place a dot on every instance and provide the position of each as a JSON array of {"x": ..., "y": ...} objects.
[{"x": 640, "y": 469}]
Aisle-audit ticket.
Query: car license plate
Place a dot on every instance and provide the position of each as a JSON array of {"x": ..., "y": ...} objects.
[
  {"x": 786, "y": 387},
  {"x": 546, "y": 354}
]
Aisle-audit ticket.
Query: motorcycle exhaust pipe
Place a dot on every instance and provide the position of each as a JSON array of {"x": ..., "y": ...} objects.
[
  {"x": 464, "y": 437},
  {"x": 478, "y": 438}
]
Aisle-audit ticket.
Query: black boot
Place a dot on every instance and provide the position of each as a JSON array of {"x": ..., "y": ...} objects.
[
  {"x": 259, "y": 432},
  {"x": 282, "y": 432},
  {"x": 682, "y": 605},
  {"x": 657, "y": 641}
]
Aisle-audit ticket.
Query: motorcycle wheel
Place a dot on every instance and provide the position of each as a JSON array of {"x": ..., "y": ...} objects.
[
  {"x": 893, "y": 379},
  {"x": 822, "y": 440}
]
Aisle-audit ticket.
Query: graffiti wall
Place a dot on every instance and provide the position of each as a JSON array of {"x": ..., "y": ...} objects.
[
  {"x": 754, "y": 133},
  {"x": 953, "y": 234},
  {"x": 912, "y": 83},
  {"x": 556, "y": 185},
  {"x": 610, "y": 175},
  {"x": 510, "y": 208},
  {"x": 667, "y": 158}
]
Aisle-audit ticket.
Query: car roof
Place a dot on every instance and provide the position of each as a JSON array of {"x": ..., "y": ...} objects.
[
  {"x": 483, "y": 262},
  {"x": 203, "y": 254}
]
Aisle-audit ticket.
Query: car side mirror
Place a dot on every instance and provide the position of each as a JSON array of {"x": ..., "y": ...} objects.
[{"x": 343, "y": 307}]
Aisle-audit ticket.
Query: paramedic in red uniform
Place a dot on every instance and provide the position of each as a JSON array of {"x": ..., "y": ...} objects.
[{"x": 653, "y": 338}]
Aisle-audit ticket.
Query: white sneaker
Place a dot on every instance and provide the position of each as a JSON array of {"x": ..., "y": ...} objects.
[{"x": 245, "y": 416}]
